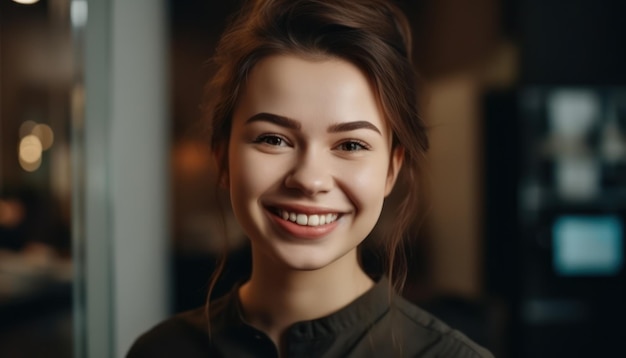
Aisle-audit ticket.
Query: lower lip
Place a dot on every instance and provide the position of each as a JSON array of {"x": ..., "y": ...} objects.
[{"x": 301, "y": 231}]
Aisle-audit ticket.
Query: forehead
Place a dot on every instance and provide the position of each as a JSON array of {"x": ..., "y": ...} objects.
[{"x": 329, "y": 89}]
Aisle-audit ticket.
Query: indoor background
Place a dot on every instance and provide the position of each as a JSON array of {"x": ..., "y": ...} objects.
[{"x": 109, "y": 218}]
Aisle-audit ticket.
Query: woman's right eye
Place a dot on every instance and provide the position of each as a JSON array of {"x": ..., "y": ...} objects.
[{"x": 271, "y": 139}]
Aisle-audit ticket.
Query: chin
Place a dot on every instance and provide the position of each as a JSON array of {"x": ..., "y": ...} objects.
[
  {"x": 307, "y": 258},
  {"x": 306, "y": 266}
]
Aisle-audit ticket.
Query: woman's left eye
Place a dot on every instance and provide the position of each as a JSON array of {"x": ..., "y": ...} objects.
[{"x": 353, "y": 146}]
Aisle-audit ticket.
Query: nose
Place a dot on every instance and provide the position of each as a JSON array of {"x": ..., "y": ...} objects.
[{"x": 310, "y": 174}]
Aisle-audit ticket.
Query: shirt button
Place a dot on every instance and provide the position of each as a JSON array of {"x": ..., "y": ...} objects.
[{"x": 257, "y": 336}]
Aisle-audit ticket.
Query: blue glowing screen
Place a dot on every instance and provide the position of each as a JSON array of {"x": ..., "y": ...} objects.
[{"x": 588, "y": 245}]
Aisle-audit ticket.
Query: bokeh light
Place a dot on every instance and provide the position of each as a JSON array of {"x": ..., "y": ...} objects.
[
  {"x": 30, "y": 167},
  {"x": 26, "y": 2},
  {"x": 11, "y": 213},
  {"x": 29, "y": 153},
  {"x": 27, "y": 128},
  {"x": 45, "y": 135}
]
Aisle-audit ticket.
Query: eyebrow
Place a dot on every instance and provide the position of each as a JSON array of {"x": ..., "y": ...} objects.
[
  {"x": 351, "y": 126},
  {"x": 275, "y": 119},
  {"x": 293, "y": 124}
]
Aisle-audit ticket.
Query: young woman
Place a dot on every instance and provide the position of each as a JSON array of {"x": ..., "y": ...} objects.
[{"x": 313, "y": 118}]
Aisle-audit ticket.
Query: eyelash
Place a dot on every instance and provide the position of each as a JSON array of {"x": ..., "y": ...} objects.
[
  {"x": 264, "y": 139},
  {"x": 361, "y": 144},
  {"x": 267, "y": 138}
]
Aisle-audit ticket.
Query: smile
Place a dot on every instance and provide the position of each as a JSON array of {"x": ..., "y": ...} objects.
[{"x": 307, "y": 220}]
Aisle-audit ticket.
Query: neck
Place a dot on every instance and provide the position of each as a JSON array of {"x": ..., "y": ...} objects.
[{"x": 276, "y": 297}]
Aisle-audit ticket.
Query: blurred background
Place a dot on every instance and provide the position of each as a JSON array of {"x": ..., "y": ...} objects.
[{"x": 109, "y": 220}]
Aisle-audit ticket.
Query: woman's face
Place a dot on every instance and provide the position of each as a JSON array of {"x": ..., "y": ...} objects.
[{"x": 310, "y": 161}]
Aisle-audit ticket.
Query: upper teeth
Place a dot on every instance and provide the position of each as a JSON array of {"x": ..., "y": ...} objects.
[{"x": 308, "y": 220}]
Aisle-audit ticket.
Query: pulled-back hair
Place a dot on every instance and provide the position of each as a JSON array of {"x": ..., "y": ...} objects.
[{"x": 373, "y": 35}]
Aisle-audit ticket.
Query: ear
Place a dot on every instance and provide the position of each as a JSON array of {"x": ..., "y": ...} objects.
[
  {"x": 220, "y": 156},
  {"x": 395, "y": 164}
]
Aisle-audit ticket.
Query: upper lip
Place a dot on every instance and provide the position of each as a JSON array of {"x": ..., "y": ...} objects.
[{"x": 303, "y": 209}]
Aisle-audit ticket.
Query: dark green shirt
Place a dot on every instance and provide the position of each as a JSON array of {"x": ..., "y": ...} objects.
[{"x": 377, "y": 324}]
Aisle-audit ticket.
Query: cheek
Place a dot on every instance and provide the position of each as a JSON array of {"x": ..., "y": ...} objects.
[
  {"x": 251, "y": 174},
  {"x": 365, "y": 184}
]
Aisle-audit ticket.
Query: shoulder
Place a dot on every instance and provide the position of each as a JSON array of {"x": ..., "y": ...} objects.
[
  {"x": 182, "y": 335},
  {"x": 446, "y": 342}
]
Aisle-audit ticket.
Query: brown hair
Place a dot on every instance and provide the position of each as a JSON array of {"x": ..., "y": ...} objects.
[{"x": 374, "y": 35}]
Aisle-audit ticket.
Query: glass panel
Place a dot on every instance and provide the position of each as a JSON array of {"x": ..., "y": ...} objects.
[{"x": 36, "y": 265}]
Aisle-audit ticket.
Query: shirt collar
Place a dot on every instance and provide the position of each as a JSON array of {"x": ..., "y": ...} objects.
[{"x": 360, "y": 314}]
